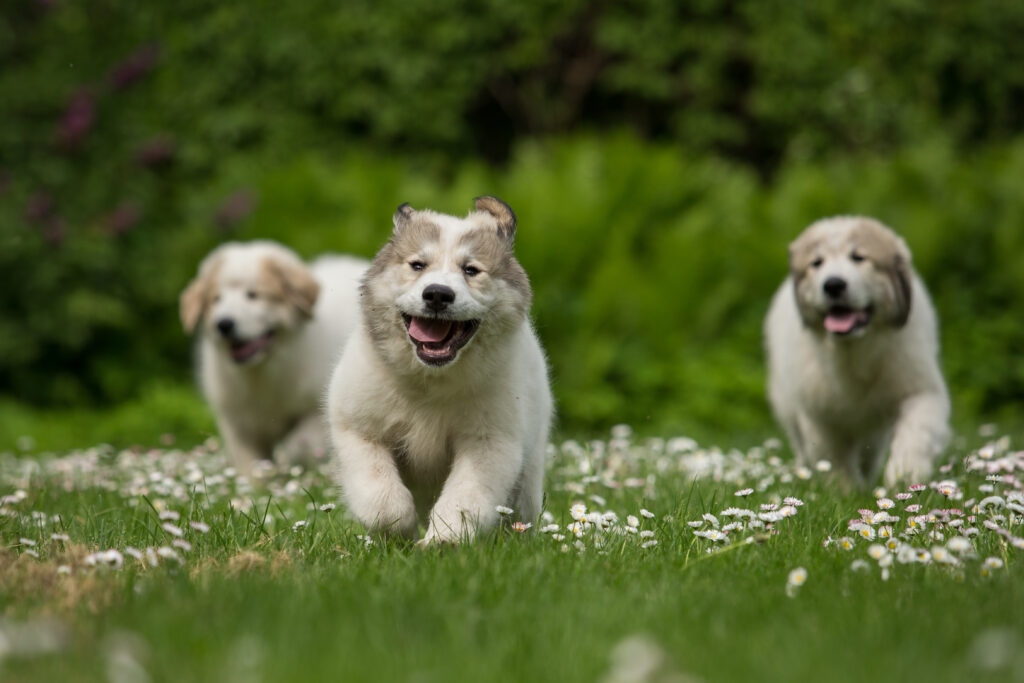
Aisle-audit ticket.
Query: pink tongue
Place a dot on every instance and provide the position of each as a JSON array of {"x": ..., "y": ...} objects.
[
  {"x": 841, "y": 323},
  {"x": 250, "y": 348},
  {"x": 429, "y": 330}
]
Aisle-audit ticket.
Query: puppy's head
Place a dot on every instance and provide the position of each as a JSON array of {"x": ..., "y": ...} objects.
[
  {"x": 248, "y": 295},
  {"x": 851, "y": 273},
  {"x": 442, "y": 283}
]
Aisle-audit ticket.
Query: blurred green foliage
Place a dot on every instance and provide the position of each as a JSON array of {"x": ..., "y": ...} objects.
[{"x": 659, "y": 155}]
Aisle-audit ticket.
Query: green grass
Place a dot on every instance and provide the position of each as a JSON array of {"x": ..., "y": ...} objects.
[
  {"x": 255, "y": 599},
  {"x": 178, "y": 408}
]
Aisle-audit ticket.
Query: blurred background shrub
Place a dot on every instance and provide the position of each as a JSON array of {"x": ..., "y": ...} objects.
[{"x": 659, "y": 154}]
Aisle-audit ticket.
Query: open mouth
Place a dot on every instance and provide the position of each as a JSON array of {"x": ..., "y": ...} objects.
[
  {"x": 243, "y": 350},
  {"x": 843, "y": 320},
  {"x": 438, "y": 340}
]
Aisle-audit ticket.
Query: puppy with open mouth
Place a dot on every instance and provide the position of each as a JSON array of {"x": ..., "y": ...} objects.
[
  {"x": 852, "y": 344},
  {"x": 439, "y": 407},
  {"x": 270, "y": 328}
]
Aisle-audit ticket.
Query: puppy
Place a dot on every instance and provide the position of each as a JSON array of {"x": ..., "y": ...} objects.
[
  {"x": 852, "y": 344},
  {"x": 270, "y": 330},
  {"x": 440, "y": 405}
]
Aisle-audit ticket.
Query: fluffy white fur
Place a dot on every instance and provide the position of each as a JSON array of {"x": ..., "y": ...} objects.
[
  {"x": 264, "y": 378},
  {"x": 442, "y": 432},
  {"x": 855, "y": 373}
]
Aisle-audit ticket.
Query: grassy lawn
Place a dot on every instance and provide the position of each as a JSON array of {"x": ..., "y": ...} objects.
[{"x": 264, "y": 581}]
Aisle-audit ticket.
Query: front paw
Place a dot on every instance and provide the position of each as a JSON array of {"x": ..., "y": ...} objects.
[
  {"x": 452, "y": 528},
  {"x": 908, "y": 469},
  {"x": 393, "y": 513}
]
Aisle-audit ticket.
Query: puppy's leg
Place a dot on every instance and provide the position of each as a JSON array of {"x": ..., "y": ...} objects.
[
  {"x": 819, "y": 441},
  {"x": 920, "y": 436},
  {"x": 373, "y": 487},
  {"x": 482, "y": 477},
  {"x": 531, "y": 487},
  {"x": 244, "y": 452},
  {"x": 791, "y": 425},
  {"x": 305, "y": 443},
  {"x": 812, "y": 441}
]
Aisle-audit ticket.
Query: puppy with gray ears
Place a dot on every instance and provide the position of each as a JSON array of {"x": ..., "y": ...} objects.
[
  {"x": 852, "y": 345},
  {"x": 270, "y": 328},
  {"x": 439, "y": 407}
]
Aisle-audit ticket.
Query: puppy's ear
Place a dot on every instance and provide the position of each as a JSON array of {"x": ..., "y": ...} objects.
[
  {"x": 295, "y": 283},
  {"x": 192, "y": 302},
  {"x": 403, "y": 214},
  {"x": 891, "y": 258},
  {"x": 502, "y": 213},
  {"x": 902, "y": 286},
  {"x": 801, "y": 253}
]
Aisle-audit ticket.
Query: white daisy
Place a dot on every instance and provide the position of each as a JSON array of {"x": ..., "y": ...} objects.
[{"x": 172, "y": 529}]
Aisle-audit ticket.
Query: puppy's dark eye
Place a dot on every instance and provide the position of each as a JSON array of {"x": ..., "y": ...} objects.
[
  {"x": 470, "y": 271},
  {"x": 856, "y": 257},
  {"x": 417, "y": 265},
  {"x": 251, "y": 295},
  {"x": 816, "y": 263}
]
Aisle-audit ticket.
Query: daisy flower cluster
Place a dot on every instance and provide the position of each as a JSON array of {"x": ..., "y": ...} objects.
[
  {"x": 744, "y": 523},
  {"x": 621, "y": 465},
  {"x": 602, "y": 530},
  {"x": 970, "y": 518},
  {"x": 624, "y": 463},
  {"x": 176, "y": 488}
]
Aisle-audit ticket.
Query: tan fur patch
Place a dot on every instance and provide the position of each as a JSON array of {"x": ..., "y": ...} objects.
[
  {"x": 802, "y": 252},
  {"x": 499, "y": 262},
  {"x": 199, "y": 293},
  {"x": 413, "y": 235},
  {"x": 891, "y": 257},
  {"x": 502, "y": 213},
  {"x": 291, "y": 282},
  {"x": 412, "y": 231}
]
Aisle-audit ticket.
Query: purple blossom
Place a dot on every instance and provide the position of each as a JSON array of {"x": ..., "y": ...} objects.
[
  {"x": 77, "y": 120},
  {"x": 39, "y": 209},
  {"x": 134, "y": 68},
  {"x": 122, "y": 219},
  {"x": 234, "y": 209},
  {"x": 155, "y": 152},
  {"x": 55, "y": 231},
  {"x": 41, "y": 213}
]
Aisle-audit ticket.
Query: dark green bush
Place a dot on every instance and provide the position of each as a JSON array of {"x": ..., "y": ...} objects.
[{"x": 652, "y": 270}]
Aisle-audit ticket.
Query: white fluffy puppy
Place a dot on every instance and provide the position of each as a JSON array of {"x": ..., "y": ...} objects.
[
  {"x": 440, "y": 403},
  {"x": 271, "y": 329},
  {"x": 852, "y": 343}
]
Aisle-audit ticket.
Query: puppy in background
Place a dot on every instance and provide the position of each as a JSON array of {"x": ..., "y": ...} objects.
[
  {"x": 270, "y": 328},
  {"x": 439, "y": 406},
  {"x": 852, "y": 344}
]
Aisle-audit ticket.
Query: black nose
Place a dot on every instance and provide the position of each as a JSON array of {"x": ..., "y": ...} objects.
[
  {"x": 226, "y": 326},
  {"x": 834, "y": 286},
  {"x": 438, "y": 297}
]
